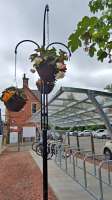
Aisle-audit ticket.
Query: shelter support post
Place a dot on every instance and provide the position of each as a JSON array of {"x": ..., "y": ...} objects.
[
  {"x": 78, "y": 144},
  {"x": 91, "y": 95}
]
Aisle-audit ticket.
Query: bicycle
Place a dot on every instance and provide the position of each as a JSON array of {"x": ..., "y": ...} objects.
[
  {"x": 37, "y": 146},
  {"x": 34, "y": 145},
  {"x": 50, "y": 149}
]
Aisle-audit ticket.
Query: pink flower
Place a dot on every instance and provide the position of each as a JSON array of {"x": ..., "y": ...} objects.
[{"x": 63, "y": 69}]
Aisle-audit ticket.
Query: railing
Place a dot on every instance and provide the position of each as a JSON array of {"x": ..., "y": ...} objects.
[
  {"x": 108, "y": 162},
  {"x": 86, "y": 174}
]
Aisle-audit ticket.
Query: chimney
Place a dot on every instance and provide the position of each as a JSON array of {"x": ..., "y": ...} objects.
[{"x": 25, "y": 81}]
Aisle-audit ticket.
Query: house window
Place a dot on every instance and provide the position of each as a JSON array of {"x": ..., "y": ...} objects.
[{"x": 34, "y": 107}]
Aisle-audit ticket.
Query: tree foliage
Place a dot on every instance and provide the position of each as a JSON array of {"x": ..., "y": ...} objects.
[{"x": 94, "y": 33}]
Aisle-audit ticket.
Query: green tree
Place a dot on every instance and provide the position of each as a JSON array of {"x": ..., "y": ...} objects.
[{"x": 94, "y": 33}]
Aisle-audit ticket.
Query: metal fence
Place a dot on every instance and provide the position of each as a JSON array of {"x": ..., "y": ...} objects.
[
  {"x": 90, "y": 143},
  {"x": 83, "y": 166}
]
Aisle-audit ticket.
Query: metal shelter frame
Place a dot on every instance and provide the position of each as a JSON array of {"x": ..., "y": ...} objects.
[{"x": 74, "y": 107}]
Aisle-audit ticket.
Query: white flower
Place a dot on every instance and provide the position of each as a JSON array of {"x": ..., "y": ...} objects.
[
  {"x": 59, "y": 65},
  {"x": 60, "y": 75},
  {"x": 45, "y": 57},
  {"x": 37, "y": 60}
]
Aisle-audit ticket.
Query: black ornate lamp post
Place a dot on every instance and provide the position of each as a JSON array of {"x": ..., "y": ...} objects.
[{"x": 44, "y": 101}]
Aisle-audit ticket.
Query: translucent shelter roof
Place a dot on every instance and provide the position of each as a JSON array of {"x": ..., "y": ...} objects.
[{"x": 71, "y": 107}]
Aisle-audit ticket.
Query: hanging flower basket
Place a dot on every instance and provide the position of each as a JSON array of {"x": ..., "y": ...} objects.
[
  {"x": 46, "y": 87},
  {"x": 14, "y": 99},
  {"x": 49, "y": 64},
  {"x": 47, "y": 71}
]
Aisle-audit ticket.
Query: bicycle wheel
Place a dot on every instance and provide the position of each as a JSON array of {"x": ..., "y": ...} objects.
[
  {"x": 39, "y": 150},
  {"x": 53, "y": 149},
  {"x": 34, "y": 146}
]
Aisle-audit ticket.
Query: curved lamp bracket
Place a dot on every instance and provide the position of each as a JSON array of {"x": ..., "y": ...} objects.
[
  {"x": 16, "y": 52},
  {"x": 26, "y": 41},
  {"x": 60, "y": 44}
]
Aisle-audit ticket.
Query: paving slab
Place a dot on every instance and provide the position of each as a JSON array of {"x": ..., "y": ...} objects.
[
  {"x": 20, "y": 177},
  {"x": 64, "y": 187}
]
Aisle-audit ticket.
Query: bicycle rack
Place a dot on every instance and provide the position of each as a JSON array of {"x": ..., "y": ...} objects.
[{"x": 100, "y": 176}]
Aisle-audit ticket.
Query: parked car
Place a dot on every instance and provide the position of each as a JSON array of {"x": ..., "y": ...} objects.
[
  {"x": 94, "y": 133},
  {"x": 86, "y": 133},
  {"x": 80, "y": 133},
  {"x": 75, "y": 133},
  {"x": 71, "y": 133},
  {"x": 107, "y": 150},
  {"x": 102, "y": 134},
  {"x": 97, "y": 132}
]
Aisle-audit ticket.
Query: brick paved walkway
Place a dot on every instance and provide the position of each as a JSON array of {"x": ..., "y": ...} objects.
[{"x": 20, "y": 178}]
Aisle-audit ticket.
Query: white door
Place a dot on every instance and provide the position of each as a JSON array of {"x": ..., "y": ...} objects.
[{"x": 13, "y": 137}]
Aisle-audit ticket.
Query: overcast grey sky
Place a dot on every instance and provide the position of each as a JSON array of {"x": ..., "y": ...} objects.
[{"x": 21, "y": 20}]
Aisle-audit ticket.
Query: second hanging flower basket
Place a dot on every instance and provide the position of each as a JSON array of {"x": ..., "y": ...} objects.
[
  {"x": 14, "y": 99},
  {"x": 49, "y": 64}
]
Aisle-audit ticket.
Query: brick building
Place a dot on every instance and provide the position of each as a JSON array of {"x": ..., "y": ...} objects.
[{"x": 18, "y": 121}]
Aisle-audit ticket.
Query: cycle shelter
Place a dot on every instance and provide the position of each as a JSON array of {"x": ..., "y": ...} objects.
[{"x": 76, "y": 107}]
